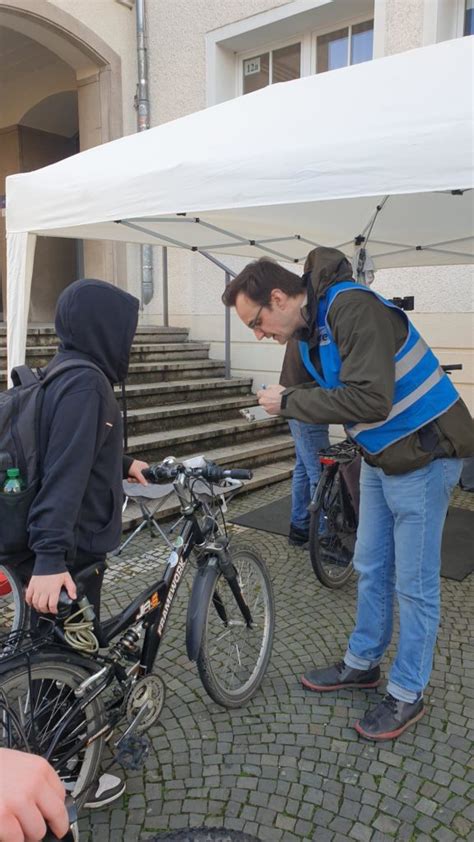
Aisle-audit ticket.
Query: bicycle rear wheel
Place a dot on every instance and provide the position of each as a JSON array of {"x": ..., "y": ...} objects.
[
  {"x": 39, "y": 697},
  {"x": 13, "y": 608},
  {"x": 332, "y": 533},
  {"x": 234, "y": 656}
]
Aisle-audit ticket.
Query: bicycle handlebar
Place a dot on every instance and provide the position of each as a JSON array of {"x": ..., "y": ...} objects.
[
  {"x": 452, "y": 367},
  {"x": 211, "y": 473}
]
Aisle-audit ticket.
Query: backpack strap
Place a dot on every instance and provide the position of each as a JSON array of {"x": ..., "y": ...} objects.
[{"x": 22, "y": 375}]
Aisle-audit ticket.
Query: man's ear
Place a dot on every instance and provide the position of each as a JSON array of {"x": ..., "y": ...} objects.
[{"x": 279, "y": 298}]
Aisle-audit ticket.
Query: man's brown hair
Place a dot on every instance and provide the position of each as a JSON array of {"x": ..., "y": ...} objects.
[{"x": 257, "y": 281}]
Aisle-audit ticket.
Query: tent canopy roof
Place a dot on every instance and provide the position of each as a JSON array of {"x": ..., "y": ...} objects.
[{"x": 308, "y": 161}]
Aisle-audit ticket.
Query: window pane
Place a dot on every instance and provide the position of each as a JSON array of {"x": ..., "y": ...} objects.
[
  {"x": 332, "y": 50},
  {"x": 362, "y": 42},
  {"x": 469, "y": 18},
  {"x": 286, "y": 63},
  {"x": 255, "y": 72}
]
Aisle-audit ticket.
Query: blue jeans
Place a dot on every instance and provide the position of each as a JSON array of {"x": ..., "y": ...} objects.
[
  {"x": 309, "y": 439},
  {"x": 398, "y": 551}
]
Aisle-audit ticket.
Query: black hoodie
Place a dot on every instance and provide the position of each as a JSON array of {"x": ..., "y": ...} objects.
[{"x": 78, "y": 507}]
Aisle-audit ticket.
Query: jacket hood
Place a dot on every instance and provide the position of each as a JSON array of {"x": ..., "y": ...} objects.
[
  {"x": 98, "y": 320},
  {"x": 327, "y": 266}
]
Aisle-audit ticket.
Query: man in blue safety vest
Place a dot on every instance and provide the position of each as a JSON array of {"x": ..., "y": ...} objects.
[{"x": 373, "y": 373}]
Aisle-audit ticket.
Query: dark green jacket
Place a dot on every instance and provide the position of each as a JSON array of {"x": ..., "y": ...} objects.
[{"x": 368, "y": 335}]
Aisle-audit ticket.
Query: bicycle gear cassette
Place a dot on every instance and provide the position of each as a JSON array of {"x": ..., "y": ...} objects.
[{"x": 146, "y": 698}]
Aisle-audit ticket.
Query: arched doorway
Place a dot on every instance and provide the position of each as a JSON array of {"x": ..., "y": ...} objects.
[{"x": 61, "y": 93}]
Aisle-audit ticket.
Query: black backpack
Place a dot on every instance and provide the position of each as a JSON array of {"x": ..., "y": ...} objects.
[{"x": 20, "y": 414}]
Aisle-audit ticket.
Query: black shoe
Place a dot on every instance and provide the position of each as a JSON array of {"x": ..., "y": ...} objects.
[
  {"x": 298, "y": 537},
  {"x": 389, "y": 719},
  {"x": 107, "y": 789},
  {"x": 339, "y": 676}
]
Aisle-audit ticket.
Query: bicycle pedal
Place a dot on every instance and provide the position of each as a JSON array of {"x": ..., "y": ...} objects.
[{"x": 133, "y": 751}]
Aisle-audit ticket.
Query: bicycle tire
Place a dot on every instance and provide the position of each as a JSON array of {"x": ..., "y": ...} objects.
[
  {"x": 332, "y": 535},
  {"x": 251, "y": 646},
  {"x": 50, "y": 675},
  {"x": 14, "y": 611}
]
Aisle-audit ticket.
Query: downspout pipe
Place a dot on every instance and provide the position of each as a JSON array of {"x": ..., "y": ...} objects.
[{"x": 143, "y": 123}]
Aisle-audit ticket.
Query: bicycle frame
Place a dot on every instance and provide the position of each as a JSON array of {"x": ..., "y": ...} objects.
[{"x": 152, "y": 606}]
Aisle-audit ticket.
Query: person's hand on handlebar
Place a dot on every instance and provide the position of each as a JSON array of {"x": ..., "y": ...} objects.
[
  {"x": 135, "y": 472},
  {"x": 43, "y": 591},
  {"x": 31, "y": 795}
]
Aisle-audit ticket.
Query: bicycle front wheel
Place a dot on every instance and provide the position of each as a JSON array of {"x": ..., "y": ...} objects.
[
  {"x": 332, "y": 534},
  {"x": 234, "y": 655},
  {"x": 13, "y": 608},
  {"x": 40, "y": 696}
]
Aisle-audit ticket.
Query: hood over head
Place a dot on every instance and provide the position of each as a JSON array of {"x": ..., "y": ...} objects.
[
  {"x": 98, "y": 320},
  {"x": 327, "y": 266}
]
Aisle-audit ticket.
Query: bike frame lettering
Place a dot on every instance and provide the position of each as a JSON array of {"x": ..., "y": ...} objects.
[{"x": 169, "y": 599}]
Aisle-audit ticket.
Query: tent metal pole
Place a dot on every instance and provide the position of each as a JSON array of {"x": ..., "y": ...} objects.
[
  {"x": 227, "y": 333},
  {"x": 228, "y": 275},
  {"x": 165, "y": 286}
]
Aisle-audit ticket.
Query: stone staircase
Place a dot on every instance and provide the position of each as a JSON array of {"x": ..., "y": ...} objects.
[{"x": 179, "y": 403}]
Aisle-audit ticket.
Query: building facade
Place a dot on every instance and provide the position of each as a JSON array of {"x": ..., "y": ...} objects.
[{"x": 69, "y": 81}]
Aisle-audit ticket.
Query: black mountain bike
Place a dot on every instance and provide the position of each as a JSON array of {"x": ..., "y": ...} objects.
[
  {"x": 333, "y": 515},
  {"x": 71, "y": 685}
]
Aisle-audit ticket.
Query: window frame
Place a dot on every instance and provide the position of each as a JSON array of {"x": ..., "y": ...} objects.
[
  {"x": 308, "y": 54},
  {"x": 347, "y": 23},
  {"x": 268, "y": 47}
]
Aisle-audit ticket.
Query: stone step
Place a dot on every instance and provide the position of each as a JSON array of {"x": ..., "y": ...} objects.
[
  {"x": 168, "y": 392},
  {"x": 40, "y": 355},
  {"x": 177, "y": 370},
  {"x": 263, "y": 475},
  {"x": 45, "y": 334},
  {"x": 156, "y": 372},
  {"x": 178, "y": 415},
  {"x": 240, "y": 437}
]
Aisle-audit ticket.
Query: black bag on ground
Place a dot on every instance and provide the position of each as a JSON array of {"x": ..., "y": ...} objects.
[{"x": 20, "y": 413}]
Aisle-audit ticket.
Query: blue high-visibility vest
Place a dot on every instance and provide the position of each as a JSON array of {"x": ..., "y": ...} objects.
[{"x": 423, "y": 391}]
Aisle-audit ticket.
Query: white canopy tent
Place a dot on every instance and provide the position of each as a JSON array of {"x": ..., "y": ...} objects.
[{"x": 383, "y": 148}]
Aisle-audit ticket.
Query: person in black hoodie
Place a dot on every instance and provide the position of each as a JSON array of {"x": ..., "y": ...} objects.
[{"x": 75, "y": 518}]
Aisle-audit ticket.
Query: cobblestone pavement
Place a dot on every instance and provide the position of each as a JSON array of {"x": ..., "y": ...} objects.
[{"x": 289, "y": 766}]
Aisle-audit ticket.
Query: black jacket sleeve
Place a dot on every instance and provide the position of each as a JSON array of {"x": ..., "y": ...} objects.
[
  {"x": 127, "y": 461},
  {"x": 75, "y": 435}
]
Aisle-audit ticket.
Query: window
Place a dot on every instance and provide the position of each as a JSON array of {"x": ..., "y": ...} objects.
[
  {"x": 469, "y": 18},
  {"x": 350, "y": 45},
  {"x": 271, "y": 67},
  {"x": 313, "y": 52}
]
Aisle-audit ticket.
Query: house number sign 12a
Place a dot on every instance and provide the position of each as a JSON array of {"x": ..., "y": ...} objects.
[{"x": 251, "y": 66}]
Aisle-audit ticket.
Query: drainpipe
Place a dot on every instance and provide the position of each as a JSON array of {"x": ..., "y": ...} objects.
[{"x": 143, "y": 123}]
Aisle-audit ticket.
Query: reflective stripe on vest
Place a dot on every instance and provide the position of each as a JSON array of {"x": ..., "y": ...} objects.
[{"x": 423, "y": 391}]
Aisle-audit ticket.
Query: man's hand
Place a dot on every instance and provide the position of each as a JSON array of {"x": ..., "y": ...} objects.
[
  {"x": 135, "y": 472},
  {"x": 43, "y": 591},
  {"x": 31, "y": 794},
  {"x": 270, "y": 398}
]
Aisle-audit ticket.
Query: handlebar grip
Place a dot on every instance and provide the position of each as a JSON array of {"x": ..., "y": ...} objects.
[
  {"x": 159, "y": 473},
  {"x": 65, "y": 604},
  {"x": 239, "y": 473}
]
